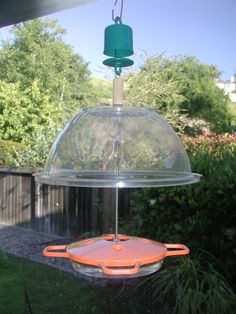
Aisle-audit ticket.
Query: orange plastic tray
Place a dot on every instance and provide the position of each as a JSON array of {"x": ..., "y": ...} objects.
[{"x": 125, "y": 256}]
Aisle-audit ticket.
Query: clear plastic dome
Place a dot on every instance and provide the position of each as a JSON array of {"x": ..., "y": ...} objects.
[{"x": 117, "y": 147}]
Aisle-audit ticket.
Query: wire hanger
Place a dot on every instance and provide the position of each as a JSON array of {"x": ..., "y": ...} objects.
[{"x": 121, "y": 11}]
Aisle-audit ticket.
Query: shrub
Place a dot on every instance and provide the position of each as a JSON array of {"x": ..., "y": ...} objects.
[
  {"x": 185, "y": 285},
  {"x": 34, "y": 154},
  {"x": 201, "y": 215},
  {"x": 7, "y": 149}
]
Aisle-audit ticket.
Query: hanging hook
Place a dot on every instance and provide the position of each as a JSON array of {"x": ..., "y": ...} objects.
[{"x": 118, "y": 18}]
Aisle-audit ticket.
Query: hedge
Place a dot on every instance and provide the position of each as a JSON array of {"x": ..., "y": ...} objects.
[
  {"x": 202, "y": 215},
  {"x": 7, "y": 150}
]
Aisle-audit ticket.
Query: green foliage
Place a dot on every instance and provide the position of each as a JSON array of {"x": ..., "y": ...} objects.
[
  {"x": 151, "y": 87},
  {"x": 232, "y": 110},
  {"x": 35, "y": 153},
  {"x": 183, "y": 84},
  {"x": 42, "y": 83},
  {"x": 203, "y": 99},
  {"x": 102, "y": 89},
  {"x": 7, "y": 149},
  {"x": 38, "y": 53},
  {"x": 200, "y": 215},
  {"x": 24, "y": 113},
  {"x": 27, "y": 118},
  {"x": 189, "y": 286}
]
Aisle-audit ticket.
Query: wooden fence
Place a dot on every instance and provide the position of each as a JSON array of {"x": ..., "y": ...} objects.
[{"x": 65, "y": 211}]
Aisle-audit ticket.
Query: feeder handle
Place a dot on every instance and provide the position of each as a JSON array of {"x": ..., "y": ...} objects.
[
  {"x": 53, "y": 251},
  {"x": 183, "y": 250},
  {"x": 129, "y": 271}
]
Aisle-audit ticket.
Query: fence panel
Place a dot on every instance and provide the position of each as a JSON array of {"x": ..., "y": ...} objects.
[
  {"x": 16, "y": 190},
  {"x": 66, "y": 211}
]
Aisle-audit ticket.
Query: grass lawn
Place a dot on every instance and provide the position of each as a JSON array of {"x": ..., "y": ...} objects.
[
  {"x": 48, "y": 290},
  {"x": 11, "y": 286},
  {"x": 52, "y": 291}
]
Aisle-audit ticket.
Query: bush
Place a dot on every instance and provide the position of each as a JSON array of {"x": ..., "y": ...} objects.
[
  {"x": 7, "y": 149},
  {"x": 201, "y": 215},
  {"x": 34, "y": 154},
  {"x": 185, "y": 286},
  {"x": 181, "y": 83}
]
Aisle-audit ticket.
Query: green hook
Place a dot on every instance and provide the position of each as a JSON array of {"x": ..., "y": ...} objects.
[{"x": 118, "y": 70}]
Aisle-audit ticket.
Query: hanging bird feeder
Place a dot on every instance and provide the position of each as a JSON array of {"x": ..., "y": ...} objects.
[{"x": 117, "y": 147}]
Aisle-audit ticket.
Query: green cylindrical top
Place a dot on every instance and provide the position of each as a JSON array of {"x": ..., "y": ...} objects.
[{"x": 118, "y": 40}]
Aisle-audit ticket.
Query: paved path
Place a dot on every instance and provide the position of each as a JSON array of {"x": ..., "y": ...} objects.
[{"x": 25, "y": 243}]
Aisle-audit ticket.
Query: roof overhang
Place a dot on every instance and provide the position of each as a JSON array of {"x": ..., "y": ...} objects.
[{"x": 16, "y": 11}]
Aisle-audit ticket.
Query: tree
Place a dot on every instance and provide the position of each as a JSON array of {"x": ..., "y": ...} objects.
[
  {"x": 37, "y": 53},
  {"x": 42, "y": 84},
  {"x": 180, "y": 84},
  {"x": 24, "y": 112},
  {"x": 153, "y": 88}
]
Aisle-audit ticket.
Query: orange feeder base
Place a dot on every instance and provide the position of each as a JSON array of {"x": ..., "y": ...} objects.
[{"x": 110, "y": 257}]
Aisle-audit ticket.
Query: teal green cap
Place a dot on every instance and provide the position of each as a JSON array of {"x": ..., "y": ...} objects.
[{"x": 118, "y": 40}]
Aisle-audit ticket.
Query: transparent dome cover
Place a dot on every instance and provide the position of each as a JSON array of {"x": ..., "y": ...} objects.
[{"x": 117, "y": 147}]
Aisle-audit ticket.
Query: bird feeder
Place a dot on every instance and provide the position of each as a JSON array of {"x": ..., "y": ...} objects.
[{"x": 117, "y": 147}]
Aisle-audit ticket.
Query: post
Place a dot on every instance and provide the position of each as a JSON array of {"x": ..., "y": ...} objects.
[{"x": 118, "y": 91}]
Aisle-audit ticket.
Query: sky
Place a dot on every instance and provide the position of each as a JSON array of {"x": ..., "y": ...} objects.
[{"x": 205, "y": 29}]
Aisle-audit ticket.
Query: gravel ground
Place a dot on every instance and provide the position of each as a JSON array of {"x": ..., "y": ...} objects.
[{"x": 29, "y": 244}]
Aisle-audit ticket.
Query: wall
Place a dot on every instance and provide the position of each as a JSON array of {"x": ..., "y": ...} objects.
[{"x": 229, "y": 88}]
